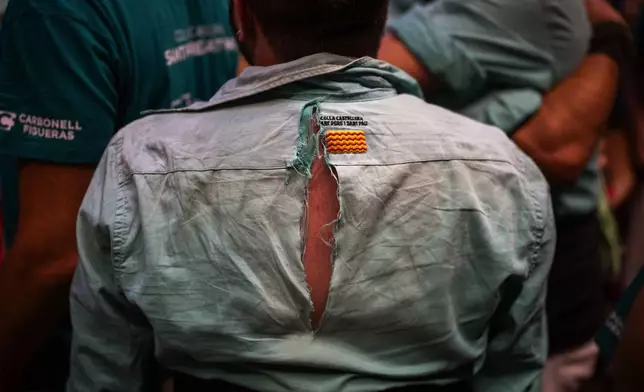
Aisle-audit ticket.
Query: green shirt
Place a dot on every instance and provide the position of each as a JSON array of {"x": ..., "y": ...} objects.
[{"x": 73, "y": 72}]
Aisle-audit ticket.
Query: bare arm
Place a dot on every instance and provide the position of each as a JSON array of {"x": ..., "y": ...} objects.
[
  {"x": 35, "y": 276},
  {"x": 563, "y": 135},
  {"x": 565, "y": 132}
]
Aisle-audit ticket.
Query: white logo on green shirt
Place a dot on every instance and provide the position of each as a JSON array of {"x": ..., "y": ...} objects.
[{"x": 7, "y": 120}]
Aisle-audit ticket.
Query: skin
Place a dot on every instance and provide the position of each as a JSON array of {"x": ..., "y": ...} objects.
[
  {"x": 564, "y": 133},
  {"x": 40, "y": 264}
]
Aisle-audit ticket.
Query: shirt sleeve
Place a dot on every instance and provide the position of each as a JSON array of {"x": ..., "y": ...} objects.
[
  {"x": 112, "y": 348},
  {"x": 507, "y": 109},
  {"x": 518, "y": 342},
  {"x": 473, "y": 46},
  {"x": 58, "y": 94}
]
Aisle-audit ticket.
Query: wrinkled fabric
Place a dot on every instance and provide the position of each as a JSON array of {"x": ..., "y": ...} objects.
[
  {"x": 190, "y": 243},
  {"x": 497, "y": 59}
]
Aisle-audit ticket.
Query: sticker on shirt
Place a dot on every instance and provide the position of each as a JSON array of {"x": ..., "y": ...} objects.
[
  {"x": 7, "y": 120},
  {"x": 198, "y": 41},
  {"x": 48, "y": 128},
  {"x": 346, "y": 142}
]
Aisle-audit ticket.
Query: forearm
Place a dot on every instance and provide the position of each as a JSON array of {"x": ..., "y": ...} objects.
[
  {"x": 34, "y": 290},
  {"x": 564, "y": 133}
]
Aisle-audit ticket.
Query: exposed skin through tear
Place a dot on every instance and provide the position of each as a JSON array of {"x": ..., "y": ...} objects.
[{"x": 322, "y": 212}]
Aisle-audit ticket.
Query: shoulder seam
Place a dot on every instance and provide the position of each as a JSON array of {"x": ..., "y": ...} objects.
[
  {"x": 119, "y": 228},
  {"x": 286, "y": 166}
]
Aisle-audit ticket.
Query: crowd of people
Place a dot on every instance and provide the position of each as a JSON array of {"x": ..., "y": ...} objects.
[{"x": 321, "y": 195}]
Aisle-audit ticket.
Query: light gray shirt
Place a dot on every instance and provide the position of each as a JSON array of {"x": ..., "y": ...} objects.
[{"x": 190, "y": 243}]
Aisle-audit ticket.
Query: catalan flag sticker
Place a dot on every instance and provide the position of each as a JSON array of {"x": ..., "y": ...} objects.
[{"x": 346, "y": 142}]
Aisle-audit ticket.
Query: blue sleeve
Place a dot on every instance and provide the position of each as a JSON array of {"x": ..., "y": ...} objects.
[
  {"x": 58, "y": 95},
  {"x": 112, "y": 348},
  {"x": 476, "y": 46},
  {"x": 507, "y": 109}
]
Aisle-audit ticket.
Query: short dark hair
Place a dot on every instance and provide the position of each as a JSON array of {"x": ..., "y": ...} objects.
[{"x": 298, "y": 28}]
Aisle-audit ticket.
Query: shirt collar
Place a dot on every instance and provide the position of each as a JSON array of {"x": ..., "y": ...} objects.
[{"x": 320, "y": 68}]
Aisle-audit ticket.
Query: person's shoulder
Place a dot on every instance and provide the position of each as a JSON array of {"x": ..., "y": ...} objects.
[
  {"x": 456, "y": 131},
  {"x": 488, "y": 164},
  {"x": 162, "y": 141},
  {"x": 154, "y": 131},
  {"x": 452, "y": 136},
  {"x": 212, "y": 135},
  {"x": 480, "y": 167}
]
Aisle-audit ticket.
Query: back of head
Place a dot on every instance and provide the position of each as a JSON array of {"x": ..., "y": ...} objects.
[{"x": 298, "y": 28}]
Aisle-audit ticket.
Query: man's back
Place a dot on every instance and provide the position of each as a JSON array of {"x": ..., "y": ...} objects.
[{"x": 441, "y": 246}]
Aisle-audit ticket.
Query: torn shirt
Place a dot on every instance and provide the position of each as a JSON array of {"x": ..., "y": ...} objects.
[{"x": 190, "y": 242}]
